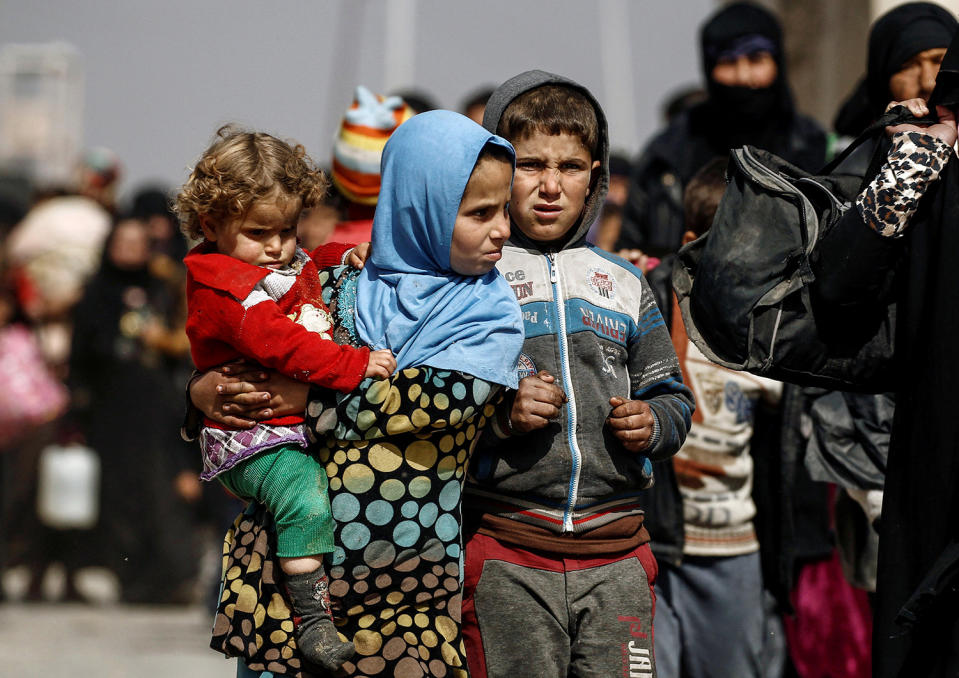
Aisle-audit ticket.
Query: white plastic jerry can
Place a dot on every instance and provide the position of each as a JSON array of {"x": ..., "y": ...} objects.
[{"x": 68, "y": 486}]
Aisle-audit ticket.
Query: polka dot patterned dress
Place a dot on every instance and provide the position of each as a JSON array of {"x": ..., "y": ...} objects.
[{"x": 396, "y": 468}]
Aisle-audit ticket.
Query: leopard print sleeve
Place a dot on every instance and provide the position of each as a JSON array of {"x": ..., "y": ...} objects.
[
  {"x": 413, "y": 400},
  {"x": 889, "y": 201}
]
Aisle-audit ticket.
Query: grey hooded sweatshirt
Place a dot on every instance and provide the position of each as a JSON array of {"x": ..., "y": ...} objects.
[{"x": 591, "y": 320}]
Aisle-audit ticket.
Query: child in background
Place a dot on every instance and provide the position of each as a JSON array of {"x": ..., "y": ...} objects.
[
  {"x": 557, "y": 545},
  {"x": 252, "y": 293}
]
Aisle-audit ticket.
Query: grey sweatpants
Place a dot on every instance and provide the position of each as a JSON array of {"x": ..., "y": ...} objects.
[{"x": 525, "y": 614}]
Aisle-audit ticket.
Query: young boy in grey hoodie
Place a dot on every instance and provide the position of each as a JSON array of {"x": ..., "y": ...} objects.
[{"x": 559, "y": 572}]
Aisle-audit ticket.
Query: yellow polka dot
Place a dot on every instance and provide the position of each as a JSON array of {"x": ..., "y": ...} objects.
[
  {"x": 389, "y": 628},
  {"x": 446, "y": 443},
  {"x": 335, "y": 483},
  {"x": 394, "y": 597},
  {"x": 460, "y": 439},
  {"x": 339, "y": 456},
  {"x": 424, "y": 401},
  {"x": 429, "y": 639},
  {"x": 246, "y": 599},
  {"x": 256, "y": 562},
  {"x": 446, "y": 468},
  {"x": 332, "y": 469},
  {"x": 366, "y": 621},
  {"x": 233, "y": 572},
  {"x": 446, "y": 626},
  {"x": 227, "y": 594},
  {"x": 450, "y": 656},
  {"x": 470, "y": 431},
  {"x": 259, "y": 614},
  {"x": 392, "y": 489},
  {"x": 393, "y": 401},
  {"x": 286, "y": 652},
  {"x": 459, "y": 471},
  {"x": 420, "y": 418},
  {"x": 441, "y": 401},
  {"x": 385, "y": 458},
  {"x": 410, "y": 638},
  {"x": 278, "y": 609},
  {"x": 355, "y": 611},
  {"x": 414, "y": 392},
  {"x": 278, "y": 637},
  {"x": 377, "y": 392},
  {"x": 229, "y": 610},
  {"x": 259, "y": 641},
  {"x": 287, "y": 625},
  {"x": 398, "y": 424},
  {"x": 353, "y": 455},
  {"x": 461, "y": 457},
  {"x": 358, "y": 478},
  {"x": 236, "y": 585},
  {"x": 387, "y": 613},
  {"x": 424, "y": 653},
  {"x": 404, "y": 620},
  {"x": 421, "y": 620},
  {"x": 455, "y": 416},
  {"x": 421, "y": 455},
  {"x": 367, "y": 642}
]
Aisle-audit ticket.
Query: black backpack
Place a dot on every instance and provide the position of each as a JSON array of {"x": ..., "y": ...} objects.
[{"x": 744, "y": 286}]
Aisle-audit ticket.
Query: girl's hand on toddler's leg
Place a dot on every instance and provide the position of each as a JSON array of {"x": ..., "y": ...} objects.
[{"x": 382, "y": 364}]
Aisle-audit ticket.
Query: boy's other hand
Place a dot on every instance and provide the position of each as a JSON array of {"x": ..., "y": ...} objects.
[
  {"x": 631, "y": 422},
  {"x": 538, "y": 401},
  {"x": 382, "y": 364},
  {"x": 358, "y": 255}
]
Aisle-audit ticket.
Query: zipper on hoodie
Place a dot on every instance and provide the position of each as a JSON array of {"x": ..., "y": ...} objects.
[{"x": 577, "y": 458}]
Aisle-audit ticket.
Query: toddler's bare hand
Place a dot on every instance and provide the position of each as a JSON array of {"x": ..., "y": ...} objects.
[
  {"x": 382, "y": 364},
  {"x": 358, "y": 255},
  {"x": 538, "y": 401},
  {"x": 631, "y": 422}
]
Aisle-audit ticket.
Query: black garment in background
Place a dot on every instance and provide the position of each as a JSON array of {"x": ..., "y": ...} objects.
[
  {"x": 129, "y": 411},
  {"x": 792, "y": 520},
  {"x": 919, "y": 528},
  {"x": 731, "y": 117}
]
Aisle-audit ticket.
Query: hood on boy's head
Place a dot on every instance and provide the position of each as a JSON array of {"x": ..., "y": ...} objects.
[
  {"x": 504, "y": 95},
  {"x": 426, "y": 165}
]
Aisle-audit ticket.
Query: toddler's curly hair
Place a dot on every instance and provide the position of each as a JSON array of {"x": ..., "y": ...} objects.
[{"x": 239, "y": 168}]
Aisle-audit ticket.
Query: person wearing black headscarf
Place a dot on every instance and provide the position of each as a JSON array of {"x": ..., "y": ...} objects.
[
  {"x": 742, "y": 108},
  {"x": 908, "y": 43},
  {"x": 126, "y": 405},
  {"x": 900, "y": 242}
]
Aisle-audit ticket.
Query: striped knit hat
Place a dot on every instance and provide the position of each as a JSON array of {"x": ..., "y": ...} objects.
[{"x": 359, "y": 142}]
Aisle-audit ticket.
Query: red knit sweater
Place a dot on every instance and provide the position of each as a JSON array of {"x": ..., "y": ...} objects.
[{"x": 231, "y": 315}]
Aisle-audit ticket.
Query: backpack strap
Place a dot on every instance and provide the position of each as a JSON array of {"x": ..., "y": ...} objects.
[{"x": 897, "y": 115}]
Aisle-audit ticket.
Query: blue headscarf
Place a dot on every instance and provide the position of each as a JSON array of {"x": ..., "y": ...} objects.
[{"x": 408, "y": 298}]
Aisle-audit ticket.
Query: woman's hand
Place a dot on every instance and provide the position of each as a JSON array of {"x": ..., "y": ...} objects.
[{"x": 944, "y": 130}]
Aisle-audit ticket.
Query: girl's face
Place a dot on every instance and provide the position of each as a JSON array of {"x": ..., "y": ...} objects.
[
  {"x": 264, "y": 236},
  {"x": 482, "y": 221}
]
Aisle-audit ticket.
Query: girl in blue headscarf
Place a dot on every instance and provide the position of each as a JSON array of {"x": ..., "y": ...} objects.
[{"x": 396, "y": 450}]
